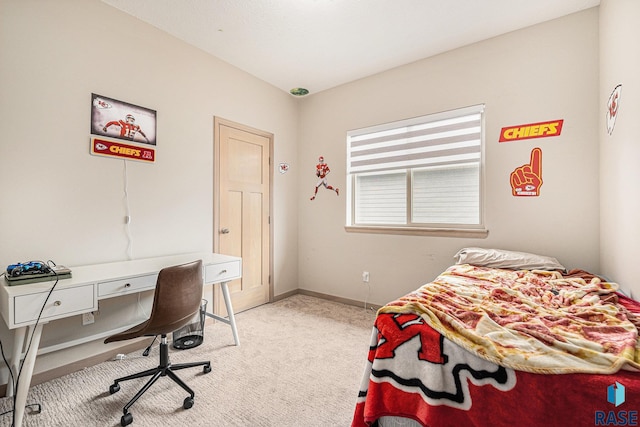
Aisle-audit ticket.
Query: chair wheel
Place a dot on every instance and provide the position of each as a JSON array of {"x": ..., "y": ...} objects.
[
  {"x": 126, "y": 420},
  {"x": 188, "y": 403},
  {"x": 206, "y": 369},
  {"x": 113, "y": 388}
]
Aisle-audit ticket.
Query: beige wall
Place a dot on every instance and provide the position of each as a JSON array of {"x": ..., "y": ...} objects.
[
  {"x": 545, "y": 72},
  {"x": 620, "y": 151},
  {"x": 61, "y": 203}
]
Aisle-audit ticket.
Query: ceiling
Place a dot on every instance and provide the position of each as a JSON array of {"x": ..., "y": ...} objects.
[{"x": 320, "y": 44}]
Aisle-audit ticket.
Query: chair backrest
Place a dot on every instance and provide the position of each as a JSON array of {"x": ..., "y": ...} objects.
[{"x": 177, "y": 298}]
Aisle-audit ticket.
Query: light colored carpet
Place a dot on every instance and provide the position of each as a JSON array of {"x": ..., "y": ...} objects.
[{"x": 300, "y": 363}]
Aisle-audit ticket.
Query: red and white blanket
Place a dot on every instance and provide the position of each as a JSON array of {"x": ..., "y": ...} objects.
[{"x": 489, "y": 347}]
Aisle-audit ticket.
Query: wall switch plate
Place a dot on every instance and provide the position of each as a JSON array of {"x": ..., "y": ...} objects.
[{"x": 365, "y": 276}]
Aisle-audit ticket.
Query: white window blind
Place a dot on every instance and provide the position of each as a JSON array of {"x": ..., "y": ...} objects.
[
  {"x": 423, "y": 172},
  {"x": 381, "y": 198}
]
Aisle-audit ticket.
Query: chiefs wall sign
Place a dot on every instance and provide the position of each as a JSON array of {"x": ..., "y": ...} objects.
[
  {"x": 105, "y": 147},
  {"x": 531, "y": 130}
]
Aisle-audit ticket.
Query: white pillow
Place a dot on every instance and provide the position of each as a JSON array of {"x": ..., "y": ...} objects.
[{"x": 498, "y": 258}]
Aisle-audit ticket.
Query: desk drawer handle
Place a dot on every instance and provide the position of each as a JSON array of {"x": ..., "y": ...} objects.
[
  {"x": 127, "y": 285},
  {"x": 223, "y": 271},
  {"x": 57, "y": 303}
]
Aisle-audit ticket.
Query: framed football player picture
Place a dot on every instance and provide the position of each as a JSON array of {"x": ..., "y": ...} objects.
[{"x": 121, "y": 120}]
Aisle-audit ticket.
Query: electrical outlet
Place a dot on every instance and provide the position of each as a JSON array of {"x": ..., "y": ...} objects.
[
  {"x": 87, "y": 318},
  {"x": 365, "y": 276}
]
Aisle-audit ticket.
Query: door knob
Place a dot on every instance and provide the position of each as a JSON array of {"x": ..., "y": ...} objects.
[{"x": 224, "y": 231}]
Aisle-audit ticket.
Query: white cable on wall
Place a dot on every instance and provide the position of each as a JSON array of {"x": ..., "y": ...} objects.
[{"x": 127, "y": 217}]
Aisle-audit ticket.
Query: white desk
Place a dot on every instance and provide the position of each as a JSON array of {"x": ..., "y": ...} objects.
[{"x": 21, "y": 304}]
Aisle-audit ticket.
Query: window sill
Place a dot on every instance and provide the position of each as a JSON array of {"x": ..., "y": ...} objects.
[{"x": 414, "y": 231}]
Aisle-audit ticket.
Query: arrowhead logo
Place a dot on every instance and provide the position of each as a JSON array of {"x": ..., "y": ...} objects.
[{"x": 613, "y": 105}]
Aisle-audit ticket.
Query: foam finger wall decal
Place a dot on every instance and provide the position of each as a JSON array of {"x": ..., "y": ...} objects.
[{"x": 526, "y": 180}]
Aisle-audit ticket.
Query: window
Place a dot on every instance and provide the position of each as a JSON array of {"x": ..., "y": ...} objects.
[{"x": 418, "y": 175}]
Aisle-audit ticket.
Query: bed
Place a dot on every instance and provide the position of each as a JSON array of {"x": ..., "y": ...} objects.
[{"x": 504, "y": 338}]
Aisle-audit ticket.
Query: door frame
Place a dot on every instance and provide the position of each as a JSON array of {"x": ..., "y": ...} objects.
[{"x": 217, "y": 122}]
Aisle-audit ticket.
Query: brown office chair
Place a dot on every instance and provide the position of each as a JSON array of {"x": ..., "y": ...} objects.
[{"x": 177, "y": 299}]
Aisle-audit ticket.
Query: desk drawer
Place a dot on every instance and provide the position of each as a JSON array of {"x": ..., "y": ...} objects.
[
  {"x": 61, "y": 303},
  {"x": 127, "y": 286},
  {"x": 216, "y": 273}
]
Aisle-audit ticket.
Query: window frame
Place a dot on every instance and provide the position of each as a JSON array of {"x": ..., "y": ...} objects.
[{"x": 410, "y": 228}]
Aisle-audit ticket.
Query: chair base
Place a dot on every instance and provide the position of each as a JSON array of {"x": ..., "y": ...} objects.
[{"x": 165, "y": 368}]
